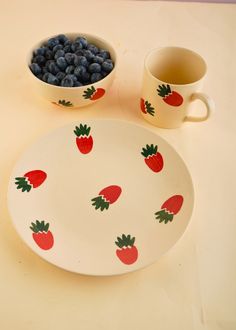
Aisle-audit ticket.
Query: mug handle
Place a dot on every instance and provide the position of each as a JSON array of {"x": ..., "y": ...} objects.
[{"x": 209, "y": 103}]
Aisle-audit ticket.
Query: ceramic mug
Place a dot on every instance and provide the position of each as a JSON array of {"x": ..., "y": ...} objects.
[{"x": 172, "y": 80}]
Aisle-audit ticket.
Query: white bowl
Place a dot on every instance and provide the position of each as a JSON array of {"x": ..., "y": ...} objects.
[{"x": 74, "y": 97}]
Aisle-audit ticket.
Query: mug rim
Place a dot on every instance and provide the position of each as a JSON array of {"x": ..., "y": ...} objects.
[{"x": 157, "y": 49}]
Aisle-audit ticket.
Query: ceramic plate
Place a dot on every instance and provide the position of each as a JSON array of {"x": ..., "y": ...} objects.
[{"x": 101, "y": 197}]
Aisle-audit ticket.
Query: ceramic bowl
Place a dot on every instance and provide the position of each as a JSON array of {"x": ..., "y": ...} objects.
[{"x": 74, "y": 97}]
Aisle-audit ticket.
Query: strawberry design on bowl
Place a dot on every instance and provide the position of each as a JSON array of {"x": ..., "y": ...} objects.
[
  {"x": 93, "y": 93},
  {"x": 127, "y": 252},
  {"x": 63, "y": 103},
  {"x": 42, "y": 236},
  {"x": 153, "y": 158},
  {"x": 84, "y": 140},
  {"x": 32, "y": 179},
  {"x": 170, "y": 208},
  {"x": 170, "y": 97},
  {"x": 107, "y": 196}
]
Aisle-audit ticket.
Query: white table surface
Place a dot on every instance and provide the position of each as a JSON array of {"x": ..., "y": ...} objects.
[{"x": 193, "y": 286}]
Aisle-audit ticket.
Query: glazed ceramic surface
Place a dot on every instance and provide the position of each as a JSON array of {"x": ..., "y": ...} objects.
[
  {"x": 74, "y": 97},
  {"x": 101, "y": 197},
  {"x": 172, "y": 80}
]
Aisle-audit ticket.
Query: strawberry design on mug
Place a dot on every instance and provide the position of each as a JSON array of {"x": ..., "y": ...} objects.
[
  {"x": 146, "y": 107},
  {"x": 31, "y": 179},
  {"x": 170, "y": 97}
]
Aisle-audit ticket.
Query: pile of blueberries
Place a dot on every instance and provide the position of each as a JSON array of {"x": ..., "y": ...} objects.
[{"x": 70, "y": 63}]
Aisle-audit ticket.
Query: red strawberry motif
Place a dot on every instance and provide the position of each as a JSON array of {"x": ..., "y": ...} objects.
[
  {"x": 84, "y": 141},
  {"x": 170, "y": 97},
  {"x": 170, "y": 207},
  {"x": 127, "y": 252},
  {"x": 30, "y": 179},
  {"x": 146, "y": 107},
  {"x": 41, "y": 235},
  {"x": 153, "y": 158},
  {"x": 107, "y": 196},
  {"x": 93, "y": 93}
]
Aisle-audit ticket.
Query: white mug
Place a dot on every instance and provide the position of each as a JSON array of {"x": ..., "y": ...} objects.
[{"x": 173, "y": 78}]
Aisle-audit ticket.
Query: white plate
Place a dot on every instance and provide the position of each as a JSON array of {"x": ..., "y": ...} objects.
[{"x": 107, "y": 208}]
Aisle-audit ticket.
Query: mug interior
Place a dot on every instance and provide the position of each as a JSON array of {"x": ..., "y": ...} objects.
[{"x": 175, "y": 65}]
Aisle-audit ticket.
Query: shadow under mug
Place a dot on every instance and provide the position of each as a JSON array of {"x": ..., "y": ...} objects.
[{"x": 173, "y": 78}]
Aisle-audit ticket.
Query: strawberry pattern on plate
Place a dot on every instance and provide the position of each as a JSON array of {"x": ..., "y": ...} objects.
[{"x": 81, "y": 180}]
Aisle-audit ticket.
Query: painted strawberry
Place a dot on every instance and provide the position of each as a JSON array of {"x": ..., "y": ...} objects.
[
  {"x": 171, "y": 98},
  {"x": 171, "y": 207},
  {"x": 153, "y": 158},
  {"x": 146, "y": 107},
  {"x": 32, "y": 179},
  {"x": 107, "y": 196},
  {"x": 41, "y": 235},
  {"x": 93, "y": 93},
  {"x": 84, "y": 140},
  {"x": 127, "y": 252},
  {"x": 64, "y": 103}
]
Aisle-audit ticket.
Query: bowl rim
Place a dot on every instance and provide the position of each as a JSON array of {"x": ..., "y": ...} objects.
[{"x": 73, "y": 35}]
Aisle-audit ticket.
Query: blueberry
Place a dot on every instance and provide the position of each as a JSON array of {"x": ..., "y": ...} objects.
[
  {"x": 81, "y": 60},
  {"x": 68, "y": 42},
  {"x": 45, "y": 76},
  {"x": 52, "y": 42},
  {"x": 56, "y": 48},
  {"x": 85, "y": 78},
  {"x": 83, "y": 41},
  {"x": 79, "y": 71},
  {"x": 39, "y": 59},
  {"x": 61, "y": 63},
  {"x": 60, "y": 75},
  {"x": 96, "y": 77},
  {"x": 71, "y": 76},
  {"x": 52, "y": 79},
  {"x": 48, "y": 54},
  {"x": 77, "y": 84},
  {"x": 70, "y": 58},
  {"x": 104, "y": 73},
  {"x": 47, "y": 64},
  {"x": 79, "y": 52},
  {"x": 35, "y": 68},
  {"x": 53, "y": 68},
  {"x": 44, "y": 69},
  {"x": 40, "y": 51},
  {"x": 62, "y": 38},
  {"x": 67, "y": 82},
  {"x": 107, "y": 66},
  {"x": 59, "y": 53},
  {"x": 40, "y": 76},
  {"x": 98, "y": 59},
  {"x": 104, "y": 53},
  {"x": 76, "y": 46},
  {"x": 67, "y": 48},
  {"x": 92, "y": 48},
  {"x": 94, "y": 68},
  {"x": 89, "y": 55},
  {"x": 70, "y": 69}
]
